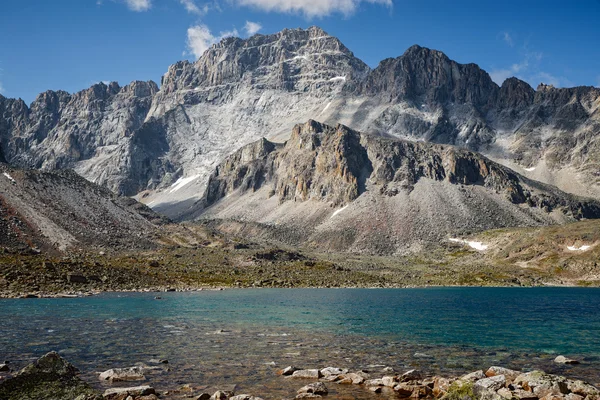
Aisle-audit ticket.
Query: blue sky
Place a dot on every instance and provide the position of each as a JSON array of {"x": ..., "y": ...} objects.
[{"x": 71, "y": 44}]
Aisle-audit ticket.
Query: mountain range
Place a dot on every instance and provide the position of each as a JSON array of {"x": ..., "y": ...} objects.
[{"x": 423, "y": 139}]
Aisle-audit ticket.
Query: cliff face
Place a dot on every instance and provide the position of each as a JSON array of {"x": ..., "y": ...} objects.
[
  {"x": 89, "y": 131},
  {"x": 336, "y": 164},
  {"x": 337, "y": 189},
  {"x": 163, "y": 144}
]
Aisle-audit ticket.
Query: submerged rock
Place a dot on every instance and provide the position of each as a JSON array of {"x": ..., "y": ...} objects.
[
  {"x": 314, "y": 388},
  {"x": 123, "y": 374},
  {"x": 412, "y": 375},
  {"x": 245, "y": 397},
  {"x": 307, "y": 374},
  {"x": 565, "y": 360},
  {"x": 50, "y": 377},
  {"x": 130, "y": 391}
]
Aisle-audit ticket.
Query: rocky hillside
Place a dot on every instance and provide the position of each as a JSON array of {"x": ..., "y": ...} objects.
[
  {"x": 338, "y": 189},
  {"x": 163, "y": 144},
  {"x": 60, "y": 210}
]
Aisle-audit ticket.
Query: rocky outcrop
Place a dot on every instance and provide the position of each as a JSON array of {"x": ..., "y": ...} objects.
[
  {"x": 370, "y": 178},
  {"x": 333, "y": 164},
  {"x": 50, "y": 377}
]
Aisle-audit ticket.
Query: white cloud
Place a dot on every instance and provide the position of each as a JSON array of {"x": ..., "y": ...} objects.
[
  {"x": 192, "y": 7},
  {"x": 508, "y": 39},
  {"x": 310, "y": 8},
  {"x": 139, "y": 5},
  {"x": 252, "y": 27},
  {"x": 199, "y": 39},
  {"x": 500, "y": 75},
  {"x": 531, "y": 60}
]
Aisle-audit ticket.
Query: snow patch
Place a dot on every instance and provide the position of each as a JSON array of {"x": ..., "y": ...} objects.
[
  {"x": 475, "y": 245},
  {"x": 181, "y": 182},
  {"x": 582, "y": 248},
  {"x": 338, "y": 211},
  {"x": 529, "y": 169},
  {"x": 338, "y": 78},
  {"x": 326, "y": 107},
  {"x": 10, "y": 178}
]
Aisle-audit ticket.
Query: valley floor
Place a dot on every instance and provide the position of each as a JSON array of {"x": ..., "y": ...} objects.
[{"x": 516, "y": 257}]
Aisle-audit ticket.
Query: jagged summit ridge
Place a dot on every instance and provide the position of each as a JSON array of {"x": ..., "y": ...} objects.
[
  {"x": 163, "y": 144},
  {"x": 290, "y": 56}
]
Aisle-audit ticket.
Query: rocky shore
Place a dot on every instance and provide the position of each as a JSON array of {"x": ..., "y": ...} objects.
[{"x": 52, "y": 377}]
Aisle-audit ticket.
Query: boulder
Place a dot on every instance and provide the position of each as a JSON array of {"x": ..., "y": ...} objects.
[
  {"x": 332, "y": 378},
  {"x": 494, "y": 383},
  {"x": 4, "y": 368},
  {"x": 49, "y": 377},
  {"x": 307, "y": 374},
  {"x": 130, "y": 391},
  {"x": 412, "y": 375},
  {"x": 203, "y": 396},
  {"x": 389, "y": 381},
  {"x": 404, "y": 390},
  {"x": 374, "y": 382},
  {"x": 307, "y": 396},
  {"x": 355, "y": 379},
  {"x": 222, "y": 395},
  {"x": 521, "y": 394},
  {"x": 583, "y": 389},
  {"x": 505, "y": 393},
  {"x": 416, "y": 391},
  {"x": 509, "y": 374},
  {"x": 123, "y": 374},
  {"x": 314, "y": 388},
  {"x": 551, "y": 396},
  {"x": 565, "y": 360},
  {"x": 333, "y": 371},
  {"x": 473, "y": 376},
  {"x": 440, "y": 386},
  {"x": 542, "y": 384},
  {"x": 288, "y": 371},
  {"x": 573, "y": 396},
  {"x": 244, "y": 397},
  {"x": 375, "y": 389}
]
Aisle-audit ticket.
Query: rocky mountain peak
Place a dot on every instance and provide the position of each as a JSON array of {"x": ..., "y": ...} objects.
[
  {"x": 293, "y": 60},
  {"x": 515, "y": 93},
  {"x": 426, "y": 75}
]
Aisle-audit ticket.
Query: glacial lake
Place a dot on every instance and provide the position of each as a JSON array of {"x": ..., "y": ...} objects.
[{"x": 218, "y": 339}]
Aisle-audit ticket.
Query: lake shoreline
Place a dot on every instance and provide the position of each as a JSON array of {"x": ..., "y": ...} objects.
[
  {"x": 53, "y": 376},
  {"x": 158, "y": 291}
]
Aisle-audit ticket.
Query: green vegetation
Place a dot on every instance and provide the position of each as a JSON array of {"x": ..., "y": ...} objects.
[{"x": 460, "y": 391}]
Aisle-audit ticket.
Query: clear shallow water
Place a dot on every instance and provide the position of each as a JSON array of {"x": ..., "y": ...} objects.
[{"x": 242, "y": 337}]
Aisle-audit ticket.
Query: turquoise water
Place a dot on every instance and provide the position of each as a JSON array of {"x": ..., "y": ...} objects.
[{"x": 441, "y": 330}]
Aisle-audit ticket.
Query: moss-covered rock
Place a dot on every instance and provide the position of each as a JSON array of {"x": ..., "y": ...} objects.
[{"x": 48, "y": 378}]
